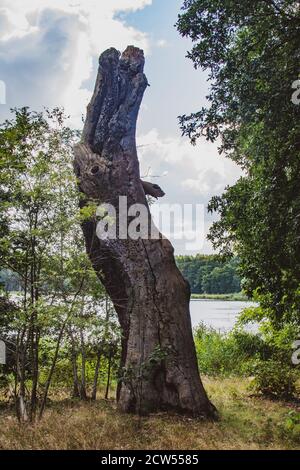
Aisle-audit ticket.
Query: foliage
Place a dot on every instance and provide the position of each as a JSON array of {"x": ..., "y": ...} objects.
[
  {"x": 251, "y": 52},
  {"x": 266, "y": 356},
  {"x": 238, "y": 297},
  {"x": 58, "y": 313},
  {"x": 274, "y": 379},
  {"x": 292, "y": 425},
  {"x": 230, "y": 353},
  {"x": 133, "y": 376},
  {"x": 209, "y": 274}
]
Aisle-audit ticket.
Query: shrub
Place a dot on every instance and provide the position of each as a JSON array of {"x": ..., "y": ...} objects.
[
  {"x": 240, "y": 353},
  {"x": 291, "y": 426},
  {"x": 274, "y": 379},
  {"x": 227, "y": 354}
]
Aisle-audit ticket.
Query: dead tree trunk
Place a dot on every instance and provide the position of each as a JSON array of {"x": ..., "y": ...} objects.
[{"x": 148, "y": 292}]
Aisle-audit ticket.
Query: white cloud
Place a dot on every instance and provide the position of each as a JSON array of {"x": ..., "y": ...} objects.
[
  {"x": 187, "y": 174},
  {"x": 49, "y": 48},
  {"x": 205, "y": 182},
  {"x": 161, "y": 43},
  {"x": 22, "y": 17},
  {"x": 198, "y": 168}
]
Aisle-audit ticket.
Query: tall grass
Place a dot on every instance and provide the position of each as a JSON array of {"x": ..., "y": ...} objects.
[{"x": 246, "y": 423}]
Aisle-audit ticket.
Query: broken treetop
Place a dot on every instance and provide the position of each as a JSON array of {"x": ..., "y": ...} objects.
[{"x": 112, "y": 112}]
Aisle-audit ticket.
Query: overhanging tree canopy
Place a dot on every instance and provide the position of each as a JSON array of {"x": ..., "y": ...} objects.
[{"x": 251, "y": 52}]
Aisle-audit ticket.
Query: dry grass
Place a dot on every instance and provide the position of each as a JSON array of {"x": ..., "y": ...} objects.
[{"x": 246, "y": 423}]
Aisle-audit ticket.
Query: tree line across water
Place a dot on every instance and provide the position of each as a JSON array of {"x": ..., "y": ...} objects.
[{"x": 208, "y": 274}]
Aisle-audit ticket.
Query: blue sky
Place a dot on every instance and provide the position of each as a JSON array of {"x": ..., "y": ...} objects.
[
  {"x": 48, "y": 57},
  {"x": 171, "y": 75}
]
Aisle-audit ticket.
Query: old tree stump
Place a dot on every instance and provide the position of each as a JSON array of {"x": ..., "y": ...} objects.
[{"x": 148, "y": 292}]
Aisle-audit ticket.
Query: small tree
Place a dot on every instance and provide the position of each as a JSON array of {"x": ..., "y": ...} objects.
[{"x": 41, "y": 243}]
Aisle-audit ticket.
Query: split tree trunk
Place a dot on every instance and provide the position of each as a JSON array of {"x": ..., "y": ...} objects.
[{"x": 148, "y": 292}]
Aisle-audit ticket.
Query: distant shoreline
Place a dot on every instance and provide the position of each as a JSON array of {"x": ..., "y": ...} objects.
[{"x": 238, "y": 296}]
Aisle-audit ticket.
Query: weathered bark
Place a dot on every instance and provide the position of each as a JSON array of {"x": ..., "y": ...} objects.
[
  {"x": 152, "y": 189},
  {"x": 148, "y": 292}
]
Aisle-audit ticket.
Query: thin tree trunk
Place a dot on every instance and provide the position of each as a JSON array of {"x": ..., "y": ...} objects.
[
  {"x": 76, "y": 388},
  {"x": 35, "y": 374},
  {"x": 74, "y": 357},
  {"x": 147, "y": 290},
  {"x": 55, "y": 357},
  {"x": 21, "y": 406},
  {"x": 83, "y": 394},
  {"x": 108, "y": 374},
  {"x": 51, "y": 372},
  {"x": 96, "y": 376},
  {"x": 34, "y": 334}
]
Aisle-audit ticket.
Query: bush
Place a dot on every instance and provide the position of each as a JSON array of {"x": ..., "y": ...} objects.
[
  {"x": 227, "y": 354},
  {"x": 240, "y": 353},
  {"x": 274, "y": 379},
  {"x": 291, "y": 426}
]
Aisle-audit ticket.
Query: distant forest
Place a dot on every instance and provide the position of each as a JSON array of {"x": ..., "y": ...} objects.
[{"x": 207, "y": 274}]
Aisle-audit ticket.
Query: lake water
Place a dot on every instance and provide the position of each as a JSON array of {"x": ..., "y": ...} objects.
[{"x": 219, "y": 314}]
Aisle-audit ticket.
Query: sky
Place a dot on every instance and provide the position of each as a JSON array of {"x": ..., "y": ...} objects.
[{"x": 49, "y": 53}]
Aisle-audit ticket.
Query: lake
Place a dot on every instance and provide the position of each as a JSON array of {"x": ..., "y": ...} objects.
[{"x": 219, "y": 314}]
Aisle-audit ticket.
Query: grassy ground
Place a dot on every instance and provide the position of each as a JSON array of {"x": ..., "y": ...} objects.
[
  {"x": 246, "y": 423},
  {"x": 237, "y": 296}
]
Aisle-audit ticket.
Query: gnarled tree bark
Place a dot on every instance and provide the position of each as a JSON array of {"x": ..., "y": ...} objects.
[{"x": 148, "y": 292}]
